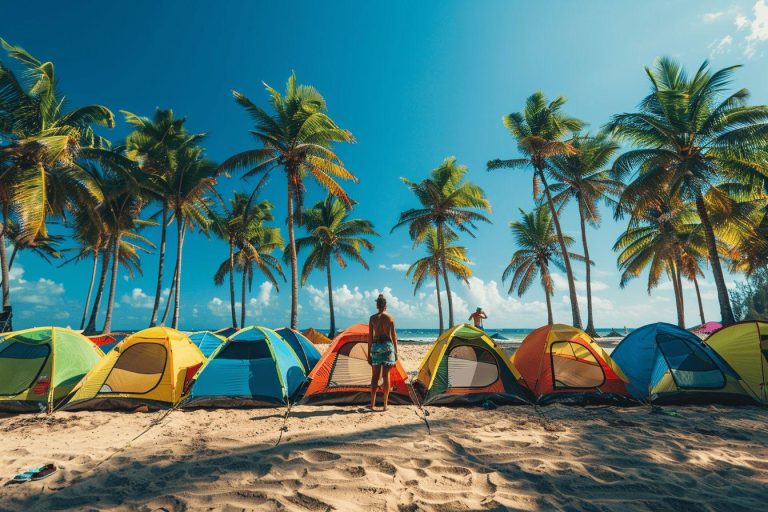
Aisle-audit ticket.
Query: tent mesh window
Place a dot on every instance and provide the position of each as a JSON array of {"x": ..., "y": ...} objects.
[
  {"x": 20, "y": 366},
  {"x": 691, "y": 367},
  {"x": 471, "y": 367},
  {"x": 245, "y": 350},
  {"x": 351, "y": 368},
  {"x": 574, "y": 366},
  {"x": 138, "y": 370}
]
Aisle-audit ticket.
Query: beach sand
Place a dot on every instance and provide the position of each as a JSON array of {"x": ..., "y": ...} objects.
[{"x": 342, "y": 458}]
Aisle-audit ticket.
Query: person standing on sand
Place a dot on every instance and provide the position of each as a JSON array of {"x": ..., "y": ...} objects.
[
  {"x": 382, "y": 349},
  {"x": 477, "y": 317}
]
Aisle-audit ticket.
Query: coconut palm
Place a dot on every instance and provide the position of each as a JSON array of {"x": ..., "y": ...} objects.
[
  {"x": 46, "y": 247},
  {"x": 540, "y": 130},
  {"x": 691, "y": 270},
  {"x": 296, "y": 137},
  {"x": 332, "y": 236},
  {"x": 154, "y": 144},
  {"x": 660, "y": 233},
  {"x": 449, "y": 204},
  {"x": 39, "y": 171},
  {"x": 246, "y": 231},
  {"x": 430, "y": 266},
  {"x": 193, "y": 183},
  {"x": 538, "y": 247},
  {"x": 695, "y": 140},
  {"x": 584, "y": 177}
]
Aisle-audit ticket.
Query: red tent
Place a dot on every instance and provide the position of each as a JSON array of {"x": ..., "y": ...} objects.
[
  {"x": 707, "y": 328},
  {"x": 343, "y": 375}
]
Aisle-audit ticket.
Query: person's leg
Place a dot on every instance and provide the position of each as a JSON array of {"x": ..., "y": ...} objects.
[
  {"x": 385, "y": 377},
  {"x": 374, "y": 384}
]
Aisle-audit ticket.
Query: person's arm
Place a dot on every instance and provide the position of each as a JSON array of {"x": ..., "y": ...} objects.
[
  {"x": 393, "y": 335},
  {"x": 483, "y": 314},
  {"x": 470, "y": 317},
  {"x": 370, "y": 339}
]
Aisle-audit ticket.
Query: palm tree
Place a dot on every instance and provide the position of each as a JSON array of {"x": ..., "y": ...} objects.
[
  {"x": 538, "y": 247},
  {"x": 539, "y": 130},
  {"x": 39, "y": 172},
  {"x": 661, "y": 231},
  {"x": 694, "y": 141},
  {"x": 45, "y": 247},
  {"x": 332, "y": 236},
  {"x": 430, "y": 265},
  {"x": 583, "y": 177},
  {"x": 297, "y": 138},
  {"x": 448, "y": 204},
  {"x": 691, "y": 270},
  {"x": 154, "y": 144},
  {"x": 192, "y": 182},
  {"x": 247, "y": 231}
]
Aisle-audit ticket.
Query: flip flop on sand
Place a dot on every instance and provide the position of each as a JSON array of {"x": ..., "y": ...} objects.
[
  {"x": 25, "y": 476},
  {"x": 44, "y": 472}
]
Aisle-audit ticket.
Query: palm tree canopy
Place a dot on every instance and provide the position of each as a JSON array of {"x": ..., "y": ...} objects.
[
  {"x": 691, "y": 135},
  {"x": 446, "y": 200},
  {"x": 429, "y": 267},
  {"x": 298, "y": 137},
  {"x": 537, "y": 248},
  {"x": 333, "y": 236}
]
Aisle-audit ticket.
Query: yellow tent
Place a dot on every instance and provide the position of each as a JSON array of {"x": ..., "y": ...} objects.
[
  {"x": 316, "y": 337},
  {"x": 744, "y": 346},
  {"x": 150, "y": 368}
]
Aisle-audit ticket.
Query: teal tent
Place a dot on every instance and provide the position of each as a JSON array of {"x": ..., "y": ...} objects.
[
  {"x": 304, "y": 348},
  {"x": 206, "y": 341},
  {"x": 253, "y": 368}
]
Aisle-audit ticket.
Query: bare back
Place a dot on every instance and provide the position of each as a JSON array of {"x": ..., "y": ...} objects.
[{"x": 382, "y": 327}]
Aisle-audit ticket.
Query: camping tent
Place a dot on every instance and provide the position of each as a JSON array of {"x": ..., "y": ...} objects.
[
  {"x": 226, "y": 332},
  {"x": 152, "y": 368},
  {"x": 107, "y": 342},
  {"x": 343, "y": 375},
  {"x": 206, "y": 341},
  {"x": 466, "y": 366},
  {"x": 39, "y": 367},
  {"x": 744, "y": 346},
  {"x": 316, "y": 336},
  {"x": 707, "y": 328},
  {"x": 667, "y": 364},
  {"x": 563, "y": 364},
  {"x": 304, "y": 348},
  {"x": 253, "y": 368}
]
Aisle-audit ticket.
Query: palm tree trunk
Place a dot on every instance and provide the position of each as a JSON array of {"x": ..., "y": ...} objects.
[
  {"x": 159, "y": 287},
  {"x": 441, "y": 247},
  {"x": 180, "y": 236},
  {"x": 4, "y": 262},
  {"x": 294, "y": 262},
  {"x": 588, "y": 272},
  {"x": 90, "y": 287},
  {"x": 91, "y": 327},
  {"x": 13, "y": 256},
  {"x": 566, "y": 259},
  {"x": 112, "y": 284},
  {"x": 232, "y": 281},
  {"x": 698, "y": 298},
  {"x": 171, "y": 292},
  {"x": 243, "y": 295},
  {"x": 547, "y": 291},
  {"x": 330, "y": 301},
  {"x": 726, "y": 313},
  {"x": 439, "y": 301},
  {"x": 678, "y": 294}
]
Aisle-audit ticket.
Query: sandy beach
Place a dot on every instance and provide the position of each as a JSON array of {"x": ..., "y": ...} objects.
[{"x": 343, "y": 458}]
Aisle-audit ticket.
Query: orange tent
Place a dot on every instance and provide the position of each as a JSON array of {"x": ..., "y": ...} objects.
[
  {"x": 560, "y": 363},
  {"x": 343, "y": 375}
]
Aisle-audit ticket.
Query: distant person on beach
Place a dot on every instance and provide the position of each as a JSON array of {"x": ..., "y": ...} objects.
[
  {"x": 477, "y": 317},
  {"x": 382, "y": 349}
]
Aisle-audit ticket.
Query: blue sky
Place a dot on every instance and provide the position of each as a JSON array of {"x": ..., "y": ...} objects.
[{"x": 415, "y": 82}]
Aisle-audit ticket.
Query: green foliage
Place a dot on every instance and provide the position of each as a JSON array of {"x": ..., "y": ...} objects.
[{"x": 750, "y": 298}]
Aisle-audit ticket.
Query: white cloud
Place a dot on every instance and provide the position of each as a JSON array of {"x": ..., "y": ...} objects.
[
  {"x": 256, "y": 306},
  {"x": 503, "y": 310},
  {"x": 400, "y": 267},
  {"x": 721, "y": 46},
  {"x": 712, "y": 16},
  {"x": 42, "y": 292},
  {"x": 741, "y": 21},
  {"x": 756, "y": 26},
  {"x": 561, "y": 283},
  {"x": 139, "y": 299}
]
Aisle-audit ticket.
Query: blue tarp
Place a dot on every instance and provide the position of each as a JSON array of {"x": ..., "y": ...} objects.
[
  {"x": 304, "y": 348},
  {"x": 255, "y": 367}
]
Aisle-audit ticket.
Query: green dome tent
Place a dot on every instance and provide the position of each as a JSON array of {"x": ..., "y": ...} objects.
[{"x": 40, "y": 366}]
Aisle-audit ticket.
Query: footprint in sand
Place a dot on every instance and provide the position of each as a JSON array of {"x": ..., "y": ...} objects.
[
  {"x": 308, "y": 502},
  {"x": 321, "y": 456}
]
